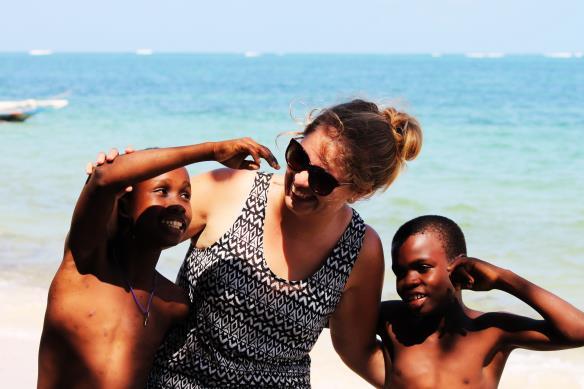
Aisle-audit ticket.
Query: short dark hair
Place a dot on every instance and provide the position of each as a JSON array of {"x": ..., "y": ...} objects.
[{"x": 449, "y": 232}]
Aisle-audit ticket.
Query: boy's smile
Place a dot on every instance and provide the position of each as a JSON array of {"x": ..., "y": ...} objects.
[
  {"x": 161, "y": 207},
  {"x": 422, "y": 277}
]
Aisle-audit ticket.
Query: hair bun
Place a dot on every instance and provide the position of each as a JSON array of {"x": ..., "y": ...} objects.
[{"x": 406, "y": 132}]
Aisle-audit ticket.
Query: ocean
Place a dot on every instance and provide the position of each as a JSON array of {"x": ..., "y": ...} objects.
[{"x": 503, "y": 153}]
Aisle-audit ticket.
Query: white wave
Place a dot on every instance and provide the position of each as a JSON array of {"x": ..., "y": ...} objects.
[
  {"x": 40, "y": 52},
  {"x": 252, "y": 54},
  {"x": 144, "y": 52},
  {"x": 436, "y": 55},
  {"x": 559, "y": 54},
  {"x": 485, "y": 55}
]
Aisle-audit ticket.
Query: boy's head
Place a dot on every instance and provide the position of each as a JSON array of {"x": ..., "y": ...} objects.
[
  {"x": 158, "y": 211},
  {"x": 421, "y": 251}
]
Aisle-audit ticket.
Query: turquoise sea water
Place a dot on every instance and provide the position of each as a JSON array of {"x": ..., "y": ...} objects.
[{"x": 503, "y": 152}]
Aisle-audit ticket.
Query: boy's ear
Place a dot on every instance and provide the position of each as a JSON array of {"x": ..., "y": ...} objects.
[
  {"x": 123, "y": 207},
  {"x": 458, "y": 274},
  {"x": 453, "y": 263}
]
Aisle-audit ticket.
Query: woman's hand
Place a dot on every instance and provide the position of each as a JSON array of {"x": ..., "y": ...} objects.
[
  {"x": 474, "y": 274},
  {"x": 109, "y": 157},
  {"x": 233, "y": 154}
]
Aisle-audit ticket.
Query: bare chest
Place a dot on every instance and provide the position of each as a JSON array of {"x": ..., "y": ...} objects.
[
  {"x": 453, "y": 361},
  {"x": 103, "y": 323}
]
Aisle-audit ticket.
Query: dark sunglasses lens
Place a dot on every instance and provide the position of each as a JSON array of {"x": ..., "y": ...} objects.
[
  {"x": 296, "y": 157},
  {"x": 321, "y": 182}
]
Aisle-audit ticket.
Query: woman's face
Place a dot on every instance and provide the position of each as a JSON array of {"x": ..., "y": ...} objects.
[{"x": 299, "y": 198}]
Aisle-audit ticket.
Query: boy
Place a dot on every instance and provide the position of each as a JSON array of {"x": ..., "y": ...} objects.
[
  {"x": 432, "y": 340},
  {"x": 108, "y": 309}
]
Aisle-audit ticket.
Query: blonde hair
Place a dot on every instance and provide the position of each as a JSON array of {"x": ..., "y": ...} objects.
[{"x": 372, "y": 143}]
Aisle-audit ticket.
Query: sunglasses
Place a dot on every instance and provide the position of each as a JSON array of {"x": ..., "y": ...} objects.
[{"x": 320, "y": 181}]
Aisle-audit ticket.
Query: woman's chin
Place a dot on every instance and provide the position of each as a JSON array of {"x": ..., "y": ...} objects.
[{"x": 301, "y": 206}]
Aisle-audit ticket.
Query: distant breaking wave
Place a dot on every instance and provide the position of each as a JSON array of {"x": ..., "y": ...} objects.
[
  {"x": 484, "y": 55},
  {"x": 40, "y": 52},
  {"x": 144, "y": 52},
  {"x": 564, "y": 54}
]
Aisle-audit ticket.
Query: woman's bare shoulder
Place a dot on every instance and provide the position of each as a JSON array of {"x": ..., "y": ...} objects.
[
  {"x": 216, "y": 199},
  {"x": 371, "y": 254},
  {"x": 370, "y": 262},
  {"x": 220, "y": 177},
  {"x": 218, "y": 186}
]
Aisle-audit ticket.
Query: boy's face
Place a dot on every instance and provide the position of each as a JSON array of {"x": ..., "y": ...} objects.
[
  {"x": 422, "y": 276},
  {"x": 161, "y": 208}
]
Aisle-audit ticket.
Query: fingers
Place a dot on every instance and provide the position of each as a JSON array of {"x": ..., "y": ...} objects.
[
  {"x": 458, "y": 260},
  {"x": 89, "y": 168},
  {"x": 269, "y": 157},
  {"x": 459, "y": 274},
  {"x": 129, "y": 149},
  {"x": 256, "y": 157},
  {"x": 112, "y": 154},
  {"x": 100, "y": 158},
  {"x": 109, "y": 157},
  {"x": 258, "y": 151},
  {"x": 249, "y": 165},
  {"x": 465, "y": 280}
]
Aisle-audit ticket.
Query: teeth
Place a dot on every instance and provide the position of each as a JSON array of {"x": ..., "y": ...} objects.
[
  {"x": 302, "y": 196},
  {"x": 173, "y": 224},
  {"x": 415, "y": 297}
]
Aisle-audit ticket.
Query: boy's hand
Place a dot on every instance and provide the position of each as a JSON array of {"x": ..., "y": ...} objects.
[
  {"x": 474, "y": 274},
  {"x": 233, "y": 154}
]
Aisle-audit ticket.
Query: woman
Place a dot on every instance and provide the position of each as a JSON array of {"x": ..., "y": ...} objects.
[{"x": 273, "y": 259}]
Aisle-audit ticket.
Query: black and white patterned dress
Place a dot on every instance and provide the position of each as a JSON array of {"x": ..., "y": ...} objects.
[{"x": 247, "y": 327}]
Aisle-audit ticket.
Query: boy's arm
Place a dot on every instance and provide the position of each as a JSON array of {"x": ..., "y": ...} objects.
[
  {"x": 95, "y": 204},
  {"x": 563, "y": 324}
]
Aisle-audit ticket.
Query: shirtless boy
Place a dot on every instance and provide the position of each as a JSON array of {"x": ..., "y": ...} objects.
[
  {"x": 108, "y": 308},
  {"x": 432, "y": 340}
]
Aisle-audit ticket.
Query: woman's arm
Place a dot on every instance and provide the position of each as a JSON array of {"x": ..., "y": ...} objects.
[
  {"x": 563, "y": 324},
  {"x": 96, "y": 202},
  {"x": 354, "y": 323}
]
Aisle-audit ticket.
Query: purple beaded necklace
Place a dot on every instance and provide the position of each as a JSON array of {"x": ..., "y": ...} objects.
[{"x": 145, "y": 311}]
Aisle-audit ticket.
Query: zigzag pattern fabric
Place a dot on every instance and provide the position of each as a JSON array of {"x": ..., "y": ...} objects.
[{"x": 247, "y": 327}]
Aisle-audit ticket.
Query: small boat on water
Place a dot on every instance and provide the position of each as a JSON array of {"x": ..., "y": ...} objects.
[{"x": 19, "y": 111}]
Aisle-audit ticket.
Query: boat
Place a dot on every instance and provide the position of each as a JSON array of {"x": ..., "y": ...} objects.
[{"x": 19, "y": 111}]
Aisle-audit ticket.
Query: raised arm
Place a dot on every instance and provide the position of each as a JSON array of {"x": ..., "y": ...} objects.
[
  {"x": 563, "y": 324},
  {"x": 354, "y": 323},
  {"x": 97, "y": 199}
]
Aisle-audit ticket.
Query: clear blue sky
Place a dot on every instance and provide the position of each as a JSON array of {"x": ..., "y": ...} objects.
[{"x": 378, "y": 26}]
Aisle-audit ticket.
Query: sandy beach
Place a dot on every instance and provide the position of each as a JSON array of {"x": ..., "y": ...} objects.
[{"x": 22, "y": 309}]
